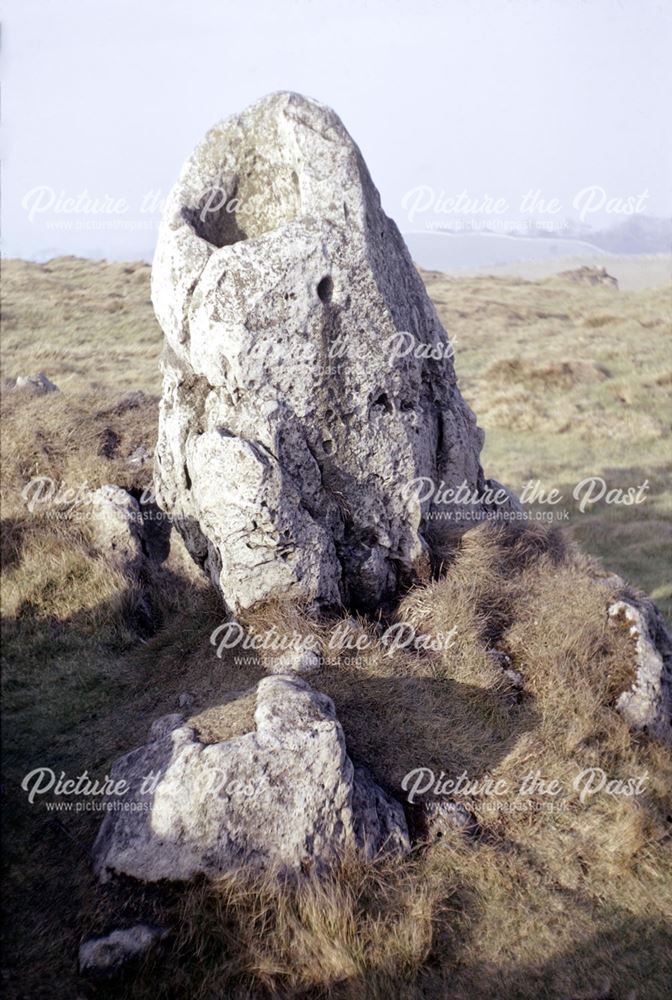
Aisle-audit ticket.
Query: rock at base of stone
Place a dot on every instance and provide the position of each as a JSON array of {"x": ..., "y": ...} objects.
[
  {"x": 117, "y": 528},
  {"x": 285, "y": 797}
]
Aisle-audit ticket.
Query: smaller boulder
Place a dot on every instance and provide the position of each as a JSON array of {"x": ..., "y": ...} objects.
[
  {"x": 38, "y": 385},
  {"x": 132, "y": 540},
  {"x": 107, "y": 955},
  {"x": 186, "y": 700},
  {"x": 139, "y": 458},
  {"x": 306, "y": 662},
  {"x": 132, "y": 536},
  {"x": 285, "y": 796},
  {"x": 445, "y": 817},
  {"x": 647, "y": 704},
  {"x": 116, "y": 523}
]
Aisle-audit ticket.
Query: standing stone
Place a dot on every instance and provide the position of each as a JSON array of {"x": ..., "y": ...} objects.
[{"x": 308, "y": 382}]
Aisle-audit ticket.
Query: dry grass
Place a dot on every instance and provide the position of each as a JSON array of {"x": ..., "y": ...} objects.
[
  {"x": 562, "y": 904},
  {"x": 571, "y": 380},
  {"x": 257, "y": 936},
  {"x": 234, "y": 716},
  {"x": 62, "y": 315}
]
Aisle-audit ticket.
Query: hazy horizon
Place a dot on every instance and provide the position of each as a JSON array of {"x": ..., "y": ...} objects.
[{"x": 522, "y": 111}]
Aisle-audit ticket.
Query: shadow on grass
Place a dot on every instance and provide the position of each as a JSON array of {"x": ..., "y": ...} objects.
[
  {"x": 392, "y": 723},
  {"x": 629, "y": 959}
]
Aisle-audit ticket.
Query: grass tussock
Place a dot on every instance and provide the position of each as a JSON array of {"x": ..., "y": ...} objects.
[{"x": 262, "y": 936}]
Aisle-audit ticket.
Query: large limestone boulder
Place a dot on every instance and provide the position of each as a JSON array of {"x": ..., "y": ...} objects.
[
  {"x": 308, "y": 383},
  {"x": 286, "y": 796}
]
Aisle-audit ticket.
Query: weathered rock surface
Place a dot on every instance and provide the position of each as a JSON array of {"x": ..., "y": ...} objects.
[
  {"x": 294, "y": 419},
  {"x": 286, "y": 795},
  {"x": 134, "y": 539},
  {"x": 647, "y": 704},
  {"x": 130, "y": 535},
  {"x": 106, "y": 955},
  {"x": 117, "y": 528}
]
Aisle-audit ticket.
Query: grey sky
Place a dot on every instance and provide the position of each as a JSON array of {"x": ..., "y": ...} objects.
[{"x": 493, "y": 96}]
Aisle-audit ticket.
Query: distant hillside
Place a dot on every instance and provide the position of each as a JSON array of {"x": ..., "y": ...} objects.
[{"x": 636, "y": 234}]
